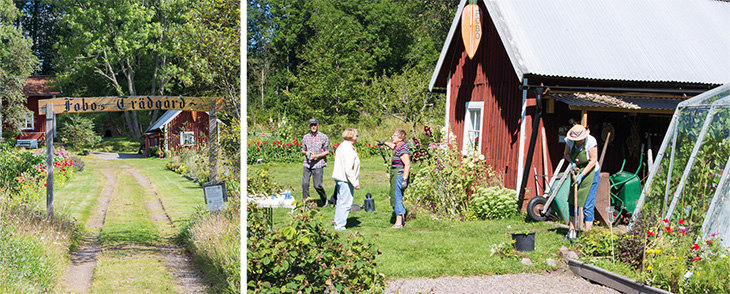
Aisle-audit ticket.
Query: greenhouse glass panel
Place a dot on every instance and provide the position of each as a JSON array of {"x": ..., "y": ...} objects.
[{"x": 686, "y": 180}]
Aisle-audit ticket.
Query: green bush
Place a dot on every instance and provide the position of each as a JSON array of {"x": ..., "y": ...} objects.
[
  {"x": 79, "y": 133},
  {"x": 494, "y": 203},
  {"x": 597, "y": 242},
  {"x": 446, "y": 185},
  {"x": 304, "y": 257}
]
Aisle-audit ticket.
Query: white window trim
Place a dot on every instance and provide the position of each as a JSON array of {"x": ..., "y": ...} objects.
[
  {"x": 182, "y": 138},
  {"x": 28, "y": 116},
  {"x": 473, "y": 105}
]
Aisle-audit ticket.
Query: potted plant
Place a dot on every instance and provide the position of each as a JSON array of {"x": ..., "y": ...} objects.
[{"x": 524, "y": 240}]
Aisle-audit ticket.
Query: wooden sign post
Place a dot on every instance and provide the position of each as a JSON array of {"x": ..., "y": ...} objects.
[
  {"x": 125, "y": 103},
  {"x": 49, "y": 160},
  {"x": 213, "y": 142}
]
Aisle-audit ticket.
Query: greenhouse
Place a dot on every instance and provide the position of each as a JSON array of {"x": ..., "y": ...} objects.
[{"x": 689, "y": 178}]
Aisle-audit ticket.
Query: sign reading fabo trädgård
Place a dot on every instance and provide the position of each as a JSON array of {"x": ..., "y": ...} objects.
[{"x": 123, "y": 103}]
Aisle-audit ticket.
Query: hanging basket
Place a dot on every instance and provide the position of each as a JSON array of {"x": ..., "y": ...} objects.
[{"x": 524, "y": 242}]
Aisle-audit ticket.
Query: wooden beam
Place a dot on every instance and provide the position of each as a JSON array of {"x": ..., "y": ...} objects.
[
  {"x": 122, "y": 103},
  {"x": 622, "y": 110},
  {"x": 584, "y": 117}
]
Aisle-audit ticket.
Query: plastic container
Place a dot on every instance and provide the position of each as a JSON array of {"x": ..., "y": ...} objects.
[{"x": 524, "y": 242}]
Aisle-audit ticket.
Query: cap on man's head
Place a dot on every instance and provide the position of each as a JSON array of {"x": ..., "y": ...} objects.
[{"x": 313, "y": 121}]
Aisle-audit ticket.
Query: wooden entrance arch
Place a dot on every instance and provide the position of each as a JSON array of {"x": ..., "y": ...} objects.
[{"x": 123, "y": 103}]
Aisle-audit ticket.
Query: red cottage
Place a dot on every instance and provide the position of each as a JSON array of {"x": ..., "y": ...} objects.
[{"x": 33, "y": 130}]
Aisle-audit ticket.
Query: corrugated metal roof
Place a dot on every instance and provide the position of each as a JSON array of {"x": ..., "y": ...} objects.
[
  {"x": 621, "y": 102},
  {"x": 683, "y": 41},
  {"x": 163, "y": 120}
]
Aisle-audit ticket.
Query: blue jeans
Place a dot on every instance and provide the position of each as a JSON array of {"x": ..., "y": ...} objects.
[
  {"x": 345, "y": 192},
  {"x": 589, "y": 214},
  {"x": 399, "y": 209}
]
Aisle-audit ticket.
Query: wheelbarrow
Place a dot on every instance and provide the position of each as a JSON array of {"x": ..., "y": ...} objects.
[
  {"x": 625, "y": 192},
  {"x": 554, "y": 201}
]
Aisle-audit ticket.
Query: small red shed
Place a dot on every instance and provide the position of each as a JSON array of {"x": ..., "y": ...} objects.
[
  {"x": 176, "y": 129},
  {"x": 626, "y": 62}
]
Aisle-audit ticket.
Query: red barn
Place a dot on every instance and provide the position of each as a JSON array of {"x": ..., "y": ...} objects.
[
  {"x": 626, "y": 63},
  {"x": 176, "y": 129}
]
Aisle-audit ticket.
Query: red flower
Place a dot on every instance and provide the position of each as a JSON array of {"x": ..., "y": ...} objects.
[
  {"x": 650, "y": 233},
  {"x": 696, "y": 258},
  {"x": 666, "y": 221},
  {"x": 709, "y": 241},
  {"x": 681, "y": 232},
  {"x": 668, "y": 229},
  {"x": 681, "y": 221},
  {"x": 695, "y": 247}
]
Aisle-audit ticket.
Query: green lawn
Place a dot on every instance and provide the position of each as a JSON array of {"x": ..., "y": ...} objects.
[{"x": 426, "y": 247}]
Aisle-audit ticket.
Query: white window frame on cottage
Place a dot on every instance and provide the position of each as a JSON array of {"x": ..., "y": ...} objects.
[
  {"x": 473, "y": 121},
  {"x": 184, "y": 142},
  {"x": 28, "y": 121}
]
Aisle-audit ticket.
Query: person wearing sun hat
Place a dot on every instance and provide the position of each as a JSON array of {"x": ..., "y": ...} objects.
[{"x": 581, "y": 150}]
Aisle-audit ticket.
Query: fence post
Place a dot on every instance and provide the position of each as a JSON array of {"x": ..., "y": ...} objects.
[{"x": 49, "y": 160}]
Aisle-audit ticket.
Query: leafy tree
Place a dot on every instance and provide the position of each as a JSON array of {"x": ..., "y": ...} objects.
[
  {"x": 17, "y": 62},
  {"x": 207, "y": 46},
  {"x": 39, "y": 21},
  {"x": 114, "y": 41}
]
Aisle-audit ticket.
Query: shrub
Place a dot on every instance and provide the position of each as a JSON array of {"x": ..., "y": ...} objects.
[
  {"x": 596, "y": 242},
  {"x": 494, "y": 203},
  {"x": 304, "y": 257},
  {"x": 79, "y": 133},
  {"x": 446, "y": 184}
]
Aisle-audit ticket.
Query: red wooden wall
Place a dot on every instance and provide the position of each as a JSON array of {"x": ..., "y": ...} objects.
[{"x": 490, "y": 77}]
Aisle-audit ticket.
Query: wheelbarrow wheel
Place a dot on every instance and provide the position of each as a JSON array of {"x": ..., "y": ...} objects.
[{"x": 535, "y": 206}]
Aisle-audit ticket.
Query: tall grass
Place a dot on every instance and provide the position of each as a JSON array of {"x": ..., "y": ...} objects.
[
  {"x": 34, "y": 249},
  {"x": 214, "y": 238}
]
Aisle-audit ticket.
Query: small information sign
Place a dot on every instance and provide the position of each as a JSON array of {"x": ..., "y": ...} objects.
[{"x": 215, "y": 195}]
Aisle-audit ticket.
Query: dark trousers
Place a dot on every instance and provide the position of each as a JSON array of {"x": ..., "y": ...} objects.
[{"x": 316, "y": 174}]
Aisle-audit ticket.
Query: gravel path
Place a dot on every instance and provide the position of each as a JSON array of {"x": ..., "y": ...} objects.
[{"x": 559, "y": 281}]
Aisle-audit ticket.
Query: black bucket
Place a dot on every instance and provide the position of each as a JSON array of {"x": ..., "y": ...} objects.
[
  {"x": 524, "y": 242},
  {"x": 369, "y": 204}
]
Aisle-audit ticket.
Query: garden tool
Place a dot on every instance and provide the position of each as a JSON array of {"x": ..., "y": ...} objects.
[
  {"x": 380, "y": 149},
  {"x": 572, "y": 234}
]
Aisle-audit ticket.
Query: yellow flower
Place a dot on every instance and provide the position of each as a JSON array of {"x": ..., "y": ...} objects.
[
  {"x": 643, "y": 261},
  {"x": 658, "y": 251},
  {"x": 649, "y": 251},
  {"x": 648, "y": 267},
  {"x": 698, "y": 275},
  {"x": 724, "y": 256}
]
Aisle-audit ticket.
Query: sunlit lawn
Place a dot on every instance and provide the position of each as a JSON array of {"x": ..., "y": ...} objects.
[{"x": 426, "y": 247}]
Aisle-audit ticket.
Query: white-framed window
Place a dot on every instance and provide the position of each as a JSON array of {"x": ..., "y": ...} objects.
[
  {"x": 28, "y": 122},
  {"x": 473, "y": 119},
  {"x": 187, "y": 139}
]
